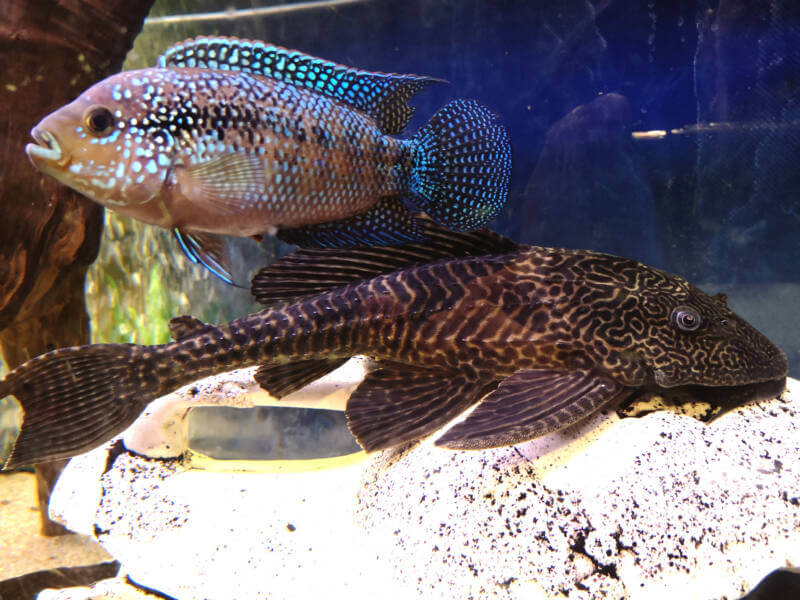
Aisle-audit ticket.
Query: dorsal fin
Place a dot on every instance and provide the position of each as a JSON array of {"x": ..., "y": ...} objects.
[
  {"x": 305, "y": 273},
  {"x": 186, "y": 325},
  {"x": 383, "y": 96}
]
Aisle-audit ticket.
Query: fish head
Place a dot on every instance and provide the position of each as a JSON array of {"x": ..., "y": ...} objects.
[
  {"x": 688, "y": 337},
  {"x": 106, "y": 144}
]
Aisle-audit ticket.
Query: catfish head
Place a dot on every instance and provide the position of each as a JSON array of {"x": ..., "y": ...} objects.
[{"x": 665, "y": 331}]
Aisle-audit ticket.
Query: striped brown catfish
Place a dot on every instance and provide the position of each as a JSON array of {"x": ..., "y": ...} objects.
[{"x": 537, "y": 337}]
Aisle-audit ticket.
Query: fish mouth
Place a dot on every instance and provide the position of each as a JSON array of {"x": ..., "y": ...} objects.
[{"x": 45, "y": 149}]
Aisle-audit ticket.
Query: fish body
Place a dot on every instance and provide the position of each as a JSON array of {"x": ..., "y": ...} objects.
[
  {"x": 537, "y": 338},
  {"x": 236, "y": 137}
]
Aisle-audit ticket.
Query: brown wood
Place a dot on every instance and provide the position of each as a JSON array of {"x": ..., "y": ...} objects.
[{"x": 49, "y": 52}]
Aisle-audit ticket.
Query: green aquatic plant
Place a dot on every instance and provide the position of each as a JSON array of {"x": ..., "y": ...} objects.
[
  {"x": 135, "y": 285},
  {"x": 140, "y": 281}
]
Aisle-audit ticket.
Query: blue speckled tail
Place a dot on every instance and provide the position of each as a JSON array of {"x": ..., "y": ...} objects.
[{"x": 462, "y": 166}]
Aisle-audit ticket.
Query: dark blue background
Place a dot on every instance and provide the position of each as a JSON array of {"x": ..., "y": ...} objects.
[{"x": 573, "y": 80}]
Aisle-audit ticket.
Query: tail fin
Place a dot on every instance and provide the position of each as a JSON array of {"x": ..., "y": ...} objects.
[
  {"x": 76, "y": 398},
  {"x": 462, "y": 166}
]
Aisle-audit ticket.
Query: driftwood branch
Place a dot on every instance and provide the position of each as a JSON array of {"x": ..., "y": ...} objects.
[{"x": 50, "y": 51}]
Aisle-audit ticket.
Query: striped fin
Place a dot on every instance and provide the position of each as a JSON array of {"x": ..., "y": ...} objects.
[
  {"x": 383, "y": 96},
  {"x": 308, "y": 272},
  {"x": 280, "y": 380},
  {"x": 401, "y": 403},
  {"x": 529, "y": 404},
  {"x": 74, "y": 399}
]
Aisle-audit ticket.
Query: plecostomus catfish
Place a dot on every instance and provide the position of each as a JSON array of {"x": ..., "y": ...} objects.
[
  {"x": 537, "y": 337},
  {"x": 238, "y": 137}
]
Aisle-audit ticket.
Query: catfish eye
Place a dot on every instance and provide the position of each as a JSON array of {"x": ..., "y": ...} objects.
[
  {"x": 99, "y": 120},
  {"x": 685, "y": 318}
]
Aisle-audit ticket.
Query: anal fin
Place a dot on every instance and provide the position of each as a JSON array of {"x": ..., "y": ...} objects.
[
  {"x": 389, "y": 222},
  {"x": 280, "y": 380},
  {"x": 529, "y": 404},
  {"x": 399, "y": 403}
]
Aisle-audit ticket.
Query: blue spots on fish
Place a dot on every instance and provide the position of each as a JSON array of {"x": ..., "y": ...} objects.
[
  {"x": 389, "y": 222},
  {"x": 383, "y": 96},
  {"x": 462, "y": 166}
]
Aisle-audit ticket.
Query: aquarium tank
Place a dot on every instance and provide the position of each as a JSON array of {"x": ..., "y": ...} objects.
[{"x": 664, "y": 131}]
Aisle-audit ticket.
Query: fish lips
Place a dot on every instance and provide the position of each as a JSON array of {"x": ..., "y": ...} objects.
[{"x": 46, "y": 153}]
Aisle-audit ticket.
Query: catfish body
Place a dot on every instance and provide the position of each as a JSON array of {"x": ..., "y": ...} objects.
[
  {"x": 236, "y": 137},
  {"x": 537, "y": 337}
]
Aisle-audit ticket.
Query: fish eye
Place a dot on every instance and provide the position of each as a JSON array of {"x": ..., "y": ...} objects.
[
  {"x": 685, "y": 317},
  {"x": 99, "y": 120}
]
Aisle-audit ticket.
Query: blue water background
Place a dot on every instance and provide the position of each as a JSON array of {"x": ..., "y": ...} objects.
[{"x": 573, "y": 80}]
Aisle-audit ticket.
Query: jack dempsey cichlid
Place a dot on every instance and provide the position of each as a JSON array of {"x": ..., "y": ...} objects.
[
  {"x": 536, "y": 338},
  {"x": 237, "y": 137}
]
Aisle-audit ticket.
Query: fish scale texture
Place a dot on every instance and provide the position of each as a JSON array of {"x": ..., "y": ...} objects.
[
  {"x": 237, "y": 137},
  {"x": 462, "y": 165},
  {"x": 381, "y": 95}
]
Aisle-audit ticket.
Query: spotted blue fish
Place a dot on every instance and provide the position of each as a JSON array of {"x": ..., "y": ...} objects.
[{"x": 238, "y": 137}]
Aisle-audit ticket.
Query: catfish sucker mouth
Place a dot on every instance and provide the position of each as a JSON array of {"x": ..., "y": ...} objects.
[{"x": 46, "y": 151}]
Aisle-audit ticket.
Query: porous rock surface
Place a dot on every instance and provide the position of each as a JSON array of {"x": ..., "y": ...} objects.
[{"x": 661, "y": 506}]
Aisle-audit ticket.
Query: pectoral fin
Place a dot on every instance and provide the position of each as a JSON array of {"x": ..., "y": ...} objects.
[
  {"x": 280, "y": 380},
  {"x": 207, "y": 249},
  {"x": 399, "y": 403},
  {"x": 529, "y": 404},
  {"x": 224, "y": 185}
]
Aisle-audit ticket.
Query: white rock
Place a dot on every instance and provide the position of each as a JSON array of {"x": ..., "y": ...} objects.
[
  {"x": 107, "y": 589},
  {"x": 661, "y": 506}
]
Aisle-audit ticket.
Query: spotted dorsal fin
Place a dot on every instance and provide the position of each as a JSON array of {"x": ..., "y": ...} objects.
[
  {"x": 305, "y": 273},
  {"x": 383, "y": 96}
]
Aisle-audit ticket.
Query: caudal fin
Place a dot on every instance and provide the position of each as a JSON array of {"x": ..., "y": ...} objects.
[
  {"x": 462, "y": 166},
  {"x": 74, "y": 399}
]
